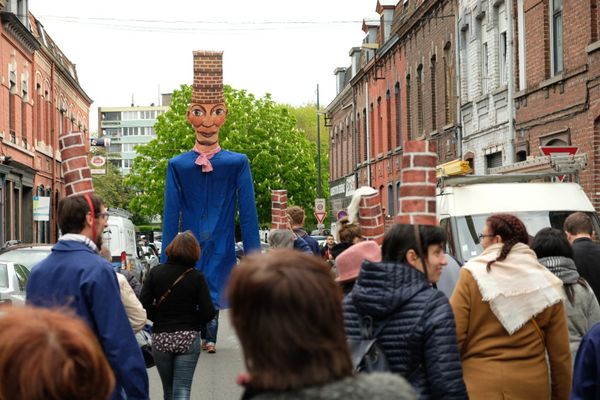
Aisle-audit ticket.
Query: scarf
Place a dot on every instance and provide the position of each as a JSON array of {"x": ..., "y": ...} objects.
[
  {"x": 517, "y": 288},
  {"x": 204, "y": 157},
  {"x": 563, "y": 267},
  {"x": 80, "y": 238}
]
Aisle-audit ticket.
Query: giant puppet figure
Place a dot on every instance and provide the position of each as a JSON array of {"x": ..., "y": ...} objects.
[{"x": 207, "y": 185}]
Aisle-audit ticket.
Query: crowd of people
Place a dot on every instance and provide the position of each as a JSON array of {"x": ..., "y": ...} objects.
[{"x": 519, "y": 321}]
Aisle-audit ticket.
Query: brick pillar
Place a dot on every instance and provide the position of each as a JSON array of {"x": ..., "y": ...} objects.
[
  {"x": 417, "y": 192},
  {"x": 208, "y": 77},
  {"x": 370, "y": 218},
  {"x": 76, "y": 172},
  {"x": 279, "y": 205}
]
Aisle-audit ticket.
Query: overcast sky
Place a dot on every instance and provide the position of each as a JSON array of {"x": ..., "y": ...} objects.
[{"x": 140, "y": 48}]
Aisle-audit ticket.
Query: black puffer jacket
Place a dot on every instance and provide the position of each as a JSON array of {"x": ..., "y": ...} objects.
[{"x": 419, "y": 339}]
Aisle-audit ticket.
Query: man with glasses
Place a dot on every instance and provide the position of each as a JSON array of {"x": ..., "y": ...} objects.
[{"x": 74, "y": 276}]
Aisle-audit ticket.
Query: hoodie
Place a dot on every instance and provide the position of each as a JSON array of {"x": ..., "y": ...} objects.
[{"x": 419, "y": 339}]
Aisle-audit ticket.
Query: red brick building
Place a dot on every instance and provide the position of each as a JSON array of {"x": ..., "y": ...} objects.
[
  {"x": 40, "y": 98},
  {"x": 401, "y": 88},
  {"x": 557, "y": 53}
]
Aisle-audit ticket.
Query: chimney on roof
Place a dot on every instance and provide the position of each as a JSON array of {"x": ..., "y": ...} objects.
[
  {"x": 355, "y": 57},
  {"x": 340, "y": 78}
]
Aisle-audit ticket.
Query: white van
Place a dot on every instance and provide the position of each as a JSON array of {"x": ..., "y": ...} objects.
[
  {"x": 119, "y": 236},
  {"x": 463, "y": 207}
]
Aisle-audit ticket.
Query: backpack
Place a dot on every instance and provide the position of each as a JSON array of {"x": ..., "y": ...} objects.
[{"x": 367, "y": 354}]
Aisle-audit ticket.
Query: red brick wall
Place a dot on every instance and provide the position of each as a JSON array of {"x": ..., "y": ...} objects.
[
  {"x": 417, "y": 193},
  {"x": 76, "y": 172},
  {"x": 370, "y": 218},
  {"x": 567, "y": 103},
  {"x": 278, "y": 207}
]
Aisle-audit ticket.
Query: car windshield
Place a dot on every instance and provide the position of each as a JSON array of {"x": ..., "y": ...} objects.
[
  {"x": 27, "y": 257},
  {"x": 465, "y": 238}
]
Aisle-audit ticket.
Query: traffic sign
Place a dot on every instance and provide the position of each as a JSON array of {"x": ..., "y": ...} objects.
[
  {"x": 319, "y": 205},
  {"x": 342, "y": 214},
  {"x": 320, "y": 226},
  {"x": 567, "y": 150},
  {"x": 320, "y": 216}
]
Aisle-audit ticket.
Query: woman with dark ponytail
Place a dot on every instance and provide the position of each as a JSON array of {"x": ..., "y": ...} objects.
[{"x": 509, "y": 313}]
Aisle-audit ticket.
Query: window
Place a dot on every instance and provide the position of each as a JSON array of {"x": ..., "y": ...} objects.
[
  {"x": 388, "y": 120},
  {"x": 379, "y": 126},
  {"x": 465, "y": 64},
  {"x": 128, "y": 148},
  {"x": 493, "y": 160},
  {"x": 391, "y": 199},
  {"x": 448, "y": 83},
  {"x": 12, "y": 105},
  {"x": 371, "y": 129},
  {"x": 484, "y": 68},
  {"x": 365, "y": 134},
  {"x": 502, "y": 55},
  {"x": 408, "y": 108},
  {"x": 556, "y": 36},
  {"x": 398, "y": 114},
  {"x": 420, "y": 99},
  {"x": 433, "y": 92},
  {"x": 398, "y": 196},
  {"x": 127, "y": 163},
  {"x": 502, "y": 26}
]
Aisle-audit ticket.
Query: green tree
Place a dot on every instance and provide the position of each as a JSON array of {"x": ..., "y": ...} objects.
[
  {"x": 281, "y": 157},
  {"x": 306, "y": 122},
  {"x": 112, "y": 188}
]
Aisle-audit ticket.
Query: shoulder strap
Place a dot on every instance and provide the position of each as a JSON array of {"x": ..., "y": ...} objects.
[{"x": 164, "y": 296}]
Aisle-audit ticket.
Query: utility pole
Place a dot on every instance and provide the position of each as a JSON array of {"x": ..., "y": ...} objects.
[{"x": 319, "y": 188}]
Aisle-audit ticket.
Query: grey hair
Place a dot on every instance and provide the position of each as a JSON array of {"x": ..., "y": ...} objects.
[{"x": 281, "y": 238}]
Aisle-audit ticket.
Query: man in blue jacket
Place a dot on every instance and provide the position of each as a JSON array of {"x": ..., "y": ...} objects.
[
  {"x": 74, "y": 276},
  {"x": 205, "y": 187},
  {"x": 586, "y": 372}
]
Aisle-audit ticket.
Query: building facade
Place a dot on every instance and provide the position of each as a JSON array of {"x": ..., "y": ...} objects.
[
  {"x": 401, "y": 87},
  {"x": 558, "y": 76},
  {"x": 485, "y": 104},
  {"x": 40, "y": 98},
  {"x": 127, "y": 127}
]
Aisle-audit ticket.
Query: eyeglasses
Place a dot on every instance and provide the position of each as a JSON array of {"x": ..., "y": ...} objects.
[
  {"x": 102, "y": 215},
  {"x": 481, "y": 236}
]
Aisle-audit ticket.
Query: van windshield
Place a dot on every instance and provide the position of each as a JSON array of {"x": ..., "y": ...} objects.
[{"x": 465, "y": 244}]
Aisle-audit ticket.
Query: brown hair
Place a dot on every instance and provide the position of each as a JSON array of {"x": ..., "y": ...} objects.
[
  {"x": 348, "y": 231},
  {"x": 577, "y": 223},
  {"x": 72, "y": 211},
  {"x": 184, "y": 249},
  {"x": 512, "y": 231},
  {"x": 286, "y": 310},
  {"x": 296, "y": 215},
  {"x": 48, "y": 355}
]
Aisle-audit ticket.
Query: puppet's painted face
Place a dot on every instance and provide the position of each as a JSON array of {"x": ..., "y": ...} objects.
[{"x": 206, "y": 120}]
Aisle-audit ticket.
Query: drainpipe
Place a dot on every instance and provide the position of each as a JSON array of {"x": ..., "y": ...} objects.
[
  {"x": 368, "y": 129},
  {"x": 458, "y": 122},
  {"x": 510, "y": 81},
  {"x": 54, "y": 145},
  {"x": 354, "y": 138}
]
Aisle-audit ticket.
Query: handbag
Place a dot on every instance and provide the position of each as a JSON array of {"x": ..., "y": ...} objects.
[{"x": 144, "y": 340}]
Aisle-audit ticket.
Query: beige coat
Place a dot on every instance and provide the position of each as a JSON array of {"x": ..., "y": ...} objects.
[
  {"x": 497, "y": 365},
  {"x": 135, "y": 312}
]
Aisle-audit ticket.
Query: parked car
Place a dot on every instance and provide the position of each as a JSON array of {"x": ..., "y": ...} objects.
[
  {"x": 148, "y": 257},
  {"x": 13, "y": 281},
  {"x": 26, "y": 254},
  {"x": 239, "y": 249}
]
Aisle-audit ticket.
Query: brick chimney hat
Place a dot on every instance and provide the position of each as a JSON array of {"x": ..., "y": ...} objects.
[{"x": 208, "y": 77}]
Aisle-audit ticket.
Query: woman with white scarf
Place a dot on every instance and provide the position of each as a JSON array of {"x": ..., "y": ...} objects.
[
  {"x": 509, "y": 312},
  {"x": 555, "y": 253}
]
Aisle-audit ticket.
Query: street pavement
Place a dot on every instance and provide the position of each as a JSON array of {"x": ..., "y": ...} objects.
[{"x": 215, "y": 374}]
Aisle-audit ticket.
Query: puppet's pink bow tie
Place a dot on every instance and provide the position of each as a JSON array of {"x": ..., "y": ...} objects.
[{"x": 203, "y": 158}]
